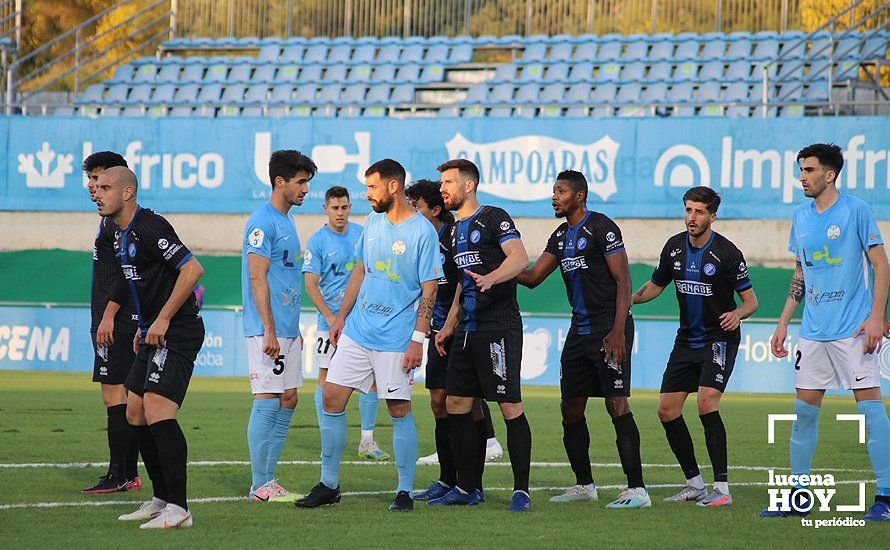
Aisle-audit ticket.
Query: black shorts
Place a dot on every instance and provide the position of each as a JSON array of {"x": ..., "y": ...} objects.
[
  {"x": 118, "y": 361},
  {"x": 584, "y": 371},
  {"x": 709, "y": 366},
  {"x": 171, "y": 379},
  {"x": 436, "y": 365},
  {"x": 486, "y": 364}
]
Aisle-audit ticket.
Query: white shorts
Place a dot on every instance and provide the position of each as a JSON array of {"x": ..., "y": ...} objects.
[
  {"x": 269, "y": 375},
  {"x": 835, "y": 364},
  {"x": 357, "y": 367},
  {"x": 323, "y": 349}
]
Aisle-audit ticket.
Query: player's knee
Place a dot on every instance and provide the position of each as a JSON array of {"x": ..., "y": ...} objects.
[
  {"x": 511, "y": 410},
  {"x": 707, "y": 404},
  {"x": 617, "y": 406},
  {"x": 398, "y": 409},
  {"x": 458, "y": 405},
  {"x": 667, "y": 412},
  {"x": 572, "y": 410},
  {"x": 437, "y": 404}
]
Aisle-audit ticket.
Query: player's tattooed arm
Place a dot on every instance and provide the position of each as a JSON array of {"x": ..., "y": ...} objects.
[
  {"x": 425, "y": 311},
  {"x": 649, "y": 291},
  {"x": 797, "y": 289}
]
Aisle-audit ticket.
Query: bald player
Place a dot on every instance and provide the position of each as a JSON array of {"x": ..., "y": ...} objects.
[{"x": 161, "y": 274}]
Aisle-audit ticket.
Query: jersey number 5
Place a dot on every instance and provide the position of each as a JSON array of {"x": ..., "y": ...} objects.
[{"x": 279, "y": 365}]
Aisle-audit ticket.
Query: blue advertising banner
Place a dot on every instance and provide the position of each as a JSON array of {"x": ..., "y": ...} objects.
[
  {"x": 39, "y": 338},
  {"x": 637, "y": 167}
]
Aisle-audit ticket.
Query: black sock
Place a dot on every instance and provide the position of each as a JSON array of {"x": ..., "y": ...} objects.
[
  {"x": 132, "y": 453},
  {"x": 173, "y": 452},
  {"x": 681, "y": 443},
  {"x": 447, "y": 475},
  {"x": 481, "y": 447},
  {"x": 489, "y": 427},
  {"x": 628, "y": 442},
  {"x": 576, "y": 438},
  {"x": 519, "y": 443},
  {"x": 152, "y": 461},
  {"x": 117, "y": 440},
  {"x": 462, "y": 430},
  {"x": 715, "y": 439}
]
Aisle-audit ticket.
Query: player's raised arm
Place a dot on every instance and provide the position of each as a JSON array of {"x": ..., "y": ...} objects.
[
  {"x": 540, "y": 270},
  {"x": 795, "y": 296},
  {"x": 515, "y": 262}
]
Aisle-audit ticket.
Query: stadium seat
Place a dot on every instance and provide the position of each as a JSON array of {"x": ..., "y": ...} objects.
[
  {"x": 687, "y": 50},
  {"x": 292, "y": 53},
  {"x": 875, "y": 46},
  {"x": 766, "y": 49},
  {"x": 341, "y": 53},
  {"x": 132, "y": 112},
  {"x": 793, "y": 69},
  {"x": 334, "y": 74},
  {"x": 610, "y": 50},
  {"x": 329, "y": 93},
  {"x": 581, "y": 71},
  {"x": 270, "y": 52},
  {"x": 216, "y": 72},
  {"x": 638, "y": 49},
  {"x": 712, "y": 70},
  {"x": 93, "y": 94},
  {"x": 553, "y": 93},
  {"x": 709, "y": 91},
  {"x": 738, "y": 111},
  {"x": 527, "y": 93},
  {"x": 793, "y": 48},
  {"x": 354, "y": 94},
  {"x": 792, "y": 111},
  {"x": 504, "y": 73},
  {"x": 234, "y": 94},
  {"x": 383, "y": 74},
  {"x": 359, "y": 73},
  {"x": 575, "y": 112},
  {"x": 501, "y": 93},
  {"x": 739, "y": 70},
  {"x": 124, "y": 73},
  {"x": 363, "y": 53},
  {"x": 403, "y": 93},
  {"x": 145, "y": 73},
  {"x": 634, "y": 71},
  {"x": 228, "y": 111},
  {"x": 533, "y": 72},
  {"x": 264, "y": 74},
  {"x": 378, "y": 94},
  {"x": 847, "y": 47},
  {"x": 558, "y": 72},
  {"x": 375, "y": 111},
  {"x": 535, "y": 52},
  {"x": 736, "y": 91},
  {"x": 163, "y": 94},
  {"x": 477, "y": 93},
  {"x": 448, "y": 112},
  {"x": 288, "y": 74},
  {"x": 739, "y": 49},
  {"x": 193, "y": 72},
  {"x": 310, "y": 73},
  {"x": 654, "y": 93},
  {"x": 585, "y": 51},
  {"x": 846, "y": 69},
  {"x": 608, "y": 72},
  {"x": 688, "y": 70},
  {"x": 432, "y": 73},
  {"x": 679, "y": 92},
  {"x": 169, "y": 74},
  {"x": 436, "y": 53},
  {"x": 316, "y": 53},
  {"x": 252, "y": 112},
  {"x": 186, "y": 95},
  {"x": 407, "y": 73},
  {"x": 306, "y": 93},
  {"x": 461, "y": 53},
  {"x": 629, "y": 93},
  {"x": 210, "y": 94},
  {"x": 140, "y": 94},
  {"x": 117, "y": 93},
  {"x": 500, "y": 112},
  {"x": 816, "y": 91},
  {"x": 240, "y": 73},
  {"x": 663, "y": 49},
  {"x": 561, "y": 51},
  {"x": 659, "y": 72},
  {"x": 180, "y": 112},
  {"x": 412, "y": 53},
  {"x": 578, "y": 93},
  {"x": 257, "y": 93},
  {"x": 604, "y": 93},
  {"x": 389, "y": 53},
  {"x": 714, "y": 49}
]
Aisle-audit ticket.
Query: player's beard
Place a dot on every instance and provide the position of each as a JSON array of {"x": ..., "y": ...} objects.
[
  {"x": 702, "y": 229},
  {"x": 382, "y": 205}
]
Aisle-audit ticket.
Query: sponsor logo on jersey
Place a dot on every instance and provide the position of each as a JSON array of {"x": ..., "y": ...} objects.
[
  {"x": 386, "y": 269},
  {"x": 505, "y": 225},
  {"x": 694, "y": 288},
  {"x": 571, "y": 264},
  {"x": 163, "y": 244},
  {"x": 820, "y": 256},
  {"x": 466, "y": 259},
  {"x": 130, "y": 272},
  {"x": 816, "y": 296}
]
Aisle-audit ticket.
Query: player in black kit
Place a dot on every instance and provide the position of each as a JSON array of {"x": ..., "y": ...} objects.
[
  {"x": 485, "y": 354},
  {"x": 112, "y": 328},
  {"x": 589, "y": 250},
  {"x": 161, "y": 274},
  {"x": 707, "y": 270}
]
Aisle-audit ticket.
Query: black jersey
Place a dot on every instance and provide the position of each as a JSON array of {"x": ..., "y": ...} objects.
[
  {"x": 151, "y": 254},
  {"x": 581, "y": 251},
  {"x": 106, "y": 272},
  {"x": 476, "y": 246},
  {"x": 706, "y": 279},
  {"x": 448, "y": 281}
]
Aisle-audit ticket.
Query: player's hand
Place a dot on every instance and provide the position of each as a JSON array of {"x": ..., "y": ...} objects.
[
  {"x": 777, "y": 342},
  {"x": 104, "y": 334},
  {"x": 483, "y": 282},
  {"x": 873, "y": 328},
  {"x": 329, "y": 319},
  {"x": 157, "y": 333},
  {"x": 442, "y": 337},
  {"x": 136, "y": 341},
  {"x": 886, "y": 329},
  {"x": 730, "y": 320},
  {"x": 613, "y": 345},
  {"x": 335, "y": 329},
  {"x": 271, "y": 347},
  {"x": 413, "y": 357}
]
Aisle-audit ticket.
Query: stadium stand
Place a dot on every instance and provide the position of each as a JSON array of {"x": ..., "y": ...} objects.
[{"x": 611, "y": 75}]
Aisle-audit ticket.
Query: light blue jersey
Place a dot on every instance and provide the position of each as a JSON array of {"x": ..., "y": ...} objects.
[
  {"x": 331, "y": 256},
  {"x": 272, "y": 235},
  {"x": 397, "y": 259},
  {"x": 831, "y": 247}
]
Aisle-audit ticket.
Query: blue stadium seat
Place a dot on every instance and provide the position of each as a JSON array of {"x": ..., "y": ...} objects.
[
  {"x": 527, "y": 93},
  {"x": 578, "y": 93},
  {"x": 793, "y": 48},
  {"x": 585, "y": 51},
  {"x": 412, "y": 53},
  {"x": 288, "y": 74},
  {"x": 654, "y": 93},
  {"x": 92, "y": 94},
  {"x": 608, "y": 72},
  {"x": 383, "y": 74},
  {"x": 145, "y": 73},
  {"x": 738, "y": 111},
  {"x": 688, "y": 70},
  {"x": 816, "y": 91},
  {"x": 501, "y": 93},
  {"x": 375, "y": 111},
  {"x": 875, "y": 46},
  {"x": 558, "y": 72},
  {"x": 363, "y": 53},
  {"x": 708, "y": 91},
  {"x": 389, "y": 53},
  {"x": 132, "y": 112},
  {"x": 448, "y": 112},
  {"x": 660, "y": 71},
  {"x": 846, "y": 69},
  {"x": 633, "y": 71},
  {"x": 687, "y": 50},
  {"x": 793, "y": 69},
  {"x": 533, "y": 72},
  {"x": 359, "y": 73},
  {"x": 169, "y": 74},
  {"x": 794, "y": 111},
  {"x": 739, "y": 49},
  {"x": 638, "y": 49},
  {"x": 477, "y": 93},
  {"x": 329, "y": 93},
  {"x": 229, "y": 111},
  {"x": 216, "y": 72},
  {"x": 186, "y": 95},
  {"x": 310, "y": 73},
  {"x": 432, "y": 73},
  {"x": 847, "y": 48},
  {"x": 180, "y": 112},
  {"x": 437, "y": 53},
  {"x": 766, "y": 49},
  {"x": 210, "y": 94},
  {"x": 500, "y": 112},
  {"x": 354, "y": 93},
  {"x": 561, "y": 51},
  {"x": 64, "y": 111},
  {"x": 117, "y": 93},
  {"x": 576, "y": 112},
  {"x": 316, "y": 53},
  {"x": 306, "y": 93},
  {"x": 663, "y": 49},
  {"x": 269, "y": 52},
  {"x": 820, "y": 45},
  {"x": 535, "y": 52},
  {"x": 604, "y": 93},
  {"x": 124, "y": 73},
  {"x": 256, "y": 93},
  {"x": 264, "y": 74},
  {"x": 629, "y": 93},
  {"x": 712, "y": 70},
  {"x": 461, "y": 53},
  {"x": 407, "y": 73},
  {"x": 240, "y": 73},
  {"x": 403, "y": 93},
  {"x": 737, "y": 70},
  {"x": 378, "y": 94},
  {"x": 504, "y": 73},
  {"x": 737, "y": 91},
  {"x": 193, "y": 72},
  {"x": 252, "y": 112},
  {"x": 109, "y": 111},
  {"x": 341, "y": 53},
  {"x": 281, "y": 95},
  {"x": 714, "y": 49},
  {"x": 682, "y": 91},
  {"x": 334, "y": 74},
  {"x": 553, "y": 93},
  {"x": 140, "y": 94},
  {"x": 581, "y": 71},
  {"x": 234, "y": 93},
  {"x": 610, "y": 50},
  {"x": 293, "y": 53},
  {"x": 163, "y": 94},
  {"x": 790, "y": 92}
]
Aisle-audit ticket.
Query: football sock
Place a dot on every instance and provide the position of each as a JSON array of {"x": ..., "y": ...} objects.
[
  {"x": 680, "y": 441},
  {"x": 489, "y": 426},
  {"x": 404, "y": 447},
  {"x": 481, "y": 448},
  {"x": 319, "y": 393},
  {"x": 715, "y": 439},
  {"x": 259, "y": 430},
  {"x": 173, "y": 453},
  {"x": 152, "y": 461},
  {"x": 333, "y": 440},
  {"x": 519, "y": 444},
  {"x": 276, "y": 440},
  {"x": 132, "y": 470},
  {"x": 447, "y": 475},
  {"x": 367, "y": 409},
  {"x": 628, "y": 442},
  {"x": 576, "y": 438},
  {"x": 804, "y": 435},
  {"x": 722, "y": 486},
  {"x": 878, "y": 427},
  {"x": 118, "y": 439},
  {"x": 462, "y": 431}
]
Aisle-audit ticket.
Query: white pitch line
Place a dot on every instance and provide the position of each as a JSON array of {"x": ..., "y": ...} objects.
[
  {"x": 31, "y": 505},
  {"x": 214, "y": 463}
]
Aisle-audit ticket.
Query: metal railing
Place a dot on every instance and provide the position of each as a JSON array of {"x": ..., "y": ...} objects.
[{"x": 216, "y": 18}]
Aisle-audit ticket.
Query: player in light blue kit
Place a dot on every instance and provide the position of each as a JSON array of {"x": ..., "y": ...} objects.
[
  {"x": 270, "y": 290},
  {"x": 327, "y": 263},
  {"x": 844, "y": 316},
  {"x": 393, "y": 291}
]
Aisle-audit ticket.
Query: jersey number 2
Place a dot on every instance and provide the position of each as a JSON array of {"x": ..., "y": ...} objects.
[
  {"x": 797, "y": 361},
  {"x": 323, "y": 345}
]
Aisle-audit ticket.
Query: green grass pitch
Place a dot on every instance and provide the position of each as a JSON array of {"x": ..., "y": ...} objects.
[{"x": 57, "y": 419}]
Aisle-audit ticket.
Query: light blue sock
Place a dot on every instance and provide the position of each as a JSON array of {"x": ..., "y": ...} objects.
[
  {"x": 367, "y": 409},
  {"x": 878, "y": 427},
  {"x": 319, "y": 392},
  {"x": 404, "y": 445},
  {"x": 333, "y": 440},
  {"x": 277, "y": 438},
  {"x": 804, "y": 435},
  {"x": 259, "y": 430}
]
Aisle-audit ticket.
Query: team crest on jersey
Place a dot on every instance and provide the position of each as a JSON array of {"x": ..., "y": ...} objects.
[
  {"x": 163, "y": 244},
  {"x": 475, "y": 236},
  {"x": 710, "y": 269},
  {"x": 398, "y": 248},
  {"x": 307, "y": 256},
  {"x": 505, "y": 225},
  {"x": 610, "y": 236},
  {"x": 582, "y": 243},
  {"x": 833, "y": 232},
  {"x": 131, "y": 250},
  {"x": 256, "y": 237}
]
